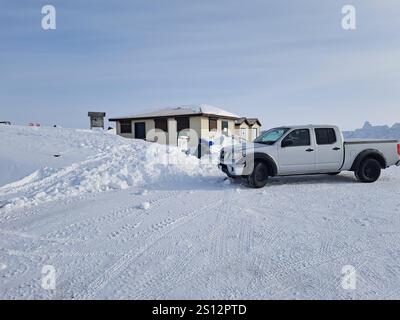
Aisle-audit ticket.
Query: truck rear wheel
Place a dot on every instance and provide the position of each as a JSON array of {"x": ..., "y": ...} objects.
[
  {"x": 368, "y": 171},
  {"x": 259, "y": 176}
]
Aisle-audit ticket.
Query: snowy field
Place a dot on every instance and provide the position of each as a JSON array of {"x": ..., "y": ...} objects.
[{"x": 116, "y": 222}]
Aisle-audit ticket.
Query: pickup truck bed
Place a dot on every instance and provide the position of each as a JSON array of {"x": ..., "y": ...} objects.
[
  {"x": 387, "y": 148},
  {"x": 353, "y": 141}
]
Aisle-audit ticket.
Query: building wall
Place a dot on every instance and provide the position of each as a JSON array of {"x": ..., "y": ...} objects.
[
  {"x": 239, "y": 128},
  {"x": 199, "y": 124},
  {"x": 196, "y": 124},
  {"x": 231, "y": 126},
  {"x": 172, "y": 132},
  {"x": 253, "y": 136},
  {"x": 250, "y": 134},
  {"x": 125, "y": 135},
  {"x": 149, "y": 123}
]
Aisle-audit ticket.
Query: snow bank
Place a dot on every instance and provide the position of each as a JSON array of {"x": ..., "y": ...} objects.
[
  {"x": 118, "y": 164},
  {"x": 24, "y": 150}
]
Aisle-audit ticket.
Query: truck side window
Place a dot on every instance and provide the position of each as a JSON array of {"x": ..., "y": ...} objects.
[
  {"x": 325, "y": 136},
  {"x": 298, "y": 138}
]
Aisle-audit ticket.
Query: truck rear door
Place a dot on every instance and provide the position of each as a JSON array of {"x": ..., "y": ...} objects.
[{"x": 329, "y": 150}]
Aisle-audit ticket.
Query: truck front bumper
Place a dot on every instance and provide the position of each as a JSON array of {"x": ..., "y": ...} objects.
[{"x": 232, "y": 170}]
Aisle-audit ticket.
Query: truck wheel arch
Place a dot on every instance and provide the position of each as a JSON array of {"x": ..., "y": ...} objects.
[
  {"x": 269, "y": 162},
  {"x": 369, "y": 153}
]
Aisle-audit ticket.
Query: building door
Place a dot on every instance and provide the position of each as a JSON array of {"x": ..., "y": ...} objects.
[
  {"x": 140, "y": 130},
  {"x": 254, "y": 133},
  {"x": 244, "y": 133}
]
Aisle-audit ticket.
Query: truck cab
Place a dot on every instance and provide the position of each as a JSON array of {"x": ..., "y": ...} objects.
[{"x": 306, "y": 150}]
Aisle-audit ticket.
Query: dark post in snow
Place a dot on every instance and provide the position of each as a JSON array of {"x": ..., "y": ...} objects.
[{"x": 96, "y": 119}]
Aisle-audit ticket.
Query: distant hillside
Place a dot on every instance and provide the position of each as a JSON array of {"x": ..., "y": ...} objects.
[{"x": 374, "y": 132}]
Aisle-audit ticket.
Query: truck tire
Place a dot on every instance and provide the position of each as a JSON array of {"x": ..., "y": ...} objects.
[
  {"x": 368, "y": 171},
  {"x": 259, "y": 176}
]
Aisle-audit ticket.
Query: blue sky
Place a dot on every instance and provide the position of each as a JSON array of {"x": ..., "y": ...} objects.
[{"x": 285, "y": 62}]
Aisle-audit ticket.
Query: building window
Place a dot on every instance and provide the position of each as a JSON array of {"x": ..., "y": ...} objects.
[
  {"x": 126, "y": 126},
  {"x": 182, "y": 123},
  {"x": 161, "y": 124},
  {"x": 212, "y": 124},
  {"x": 224, "y": 127}
]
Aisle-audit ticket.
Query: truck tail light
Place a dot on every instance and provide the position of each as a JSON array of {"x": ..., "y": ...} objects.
[{"x": 398, "y": 149}]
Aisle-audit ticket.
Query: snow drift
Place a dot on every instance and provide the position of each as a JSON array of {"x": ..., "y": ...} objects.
[{"x": 116, "y": 163}]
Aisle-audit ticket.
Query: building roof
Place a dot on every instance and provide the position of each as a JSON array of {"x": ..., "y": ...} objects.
[
  {"x": 249, "y": 121},
  {"x": 96, "y": 114},
  {"x": 240, "y": 121},
  {"x": 252, "y": 121},
  {"x": 189, "y": 110}
]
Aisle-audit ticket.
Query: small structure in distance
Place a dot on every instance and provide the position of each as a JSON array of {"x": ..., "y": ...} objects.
[{"x": 96, "y": 119}]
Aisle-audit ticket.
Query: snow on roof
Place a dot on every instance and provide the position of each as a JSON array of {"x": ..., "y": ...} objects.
[
  {"x": 183, "y": 110},
  {"x": 207, "y": 109}
]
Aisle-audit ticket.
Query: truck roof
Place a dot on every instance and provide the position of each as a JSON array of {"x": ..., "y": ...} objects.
[{"x": 310, "y": 126}]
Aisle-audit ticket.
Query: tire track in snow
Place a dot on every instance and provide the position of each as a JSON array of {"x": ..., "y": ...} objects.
[
  {"x": 126, "y": 229},
  {"x": 119, "y": 266},
  {"x": 219, "y": 247},
  {"x": 18, "y": 267},
  {"x": 27, "y": 212},
  {"x": 91, "y": 223},
  {"x": 24, "y": 235},
  {"x": 245, "y": 238},
  {"x": 289, "y": 273},
  {"x": 155, "y": 286}
]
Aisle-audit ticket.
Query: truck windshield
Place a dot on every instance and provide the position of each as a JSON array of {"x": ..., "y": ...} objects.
[{"x": 271, "y": 136}]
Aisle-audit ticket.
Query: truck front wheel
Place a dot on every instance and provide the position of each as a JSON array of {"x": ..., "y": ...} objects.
[
  {"x": 259, "y": 176},
  {"x": 368, "y": 171}
]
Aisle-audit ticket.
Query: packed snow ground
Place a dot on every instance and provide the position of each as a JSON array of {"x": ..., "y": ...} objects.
[{"x": 115, "y": 224}]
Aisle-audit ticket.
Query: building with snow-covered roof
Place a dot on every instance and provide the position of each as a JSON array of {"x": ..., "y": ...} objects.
[{"x": 168, "y": 125}]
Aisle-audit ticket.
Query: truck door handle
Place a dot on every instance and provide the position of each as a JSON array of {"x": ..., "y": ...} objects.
[
  {"x": 336, "y": 148},
  {"x": 310, "y": 150}
]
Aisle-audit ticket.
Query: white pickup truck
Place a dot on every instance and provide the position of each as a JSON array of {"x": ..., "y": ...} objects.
[{"x": 304, "y": 150}]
